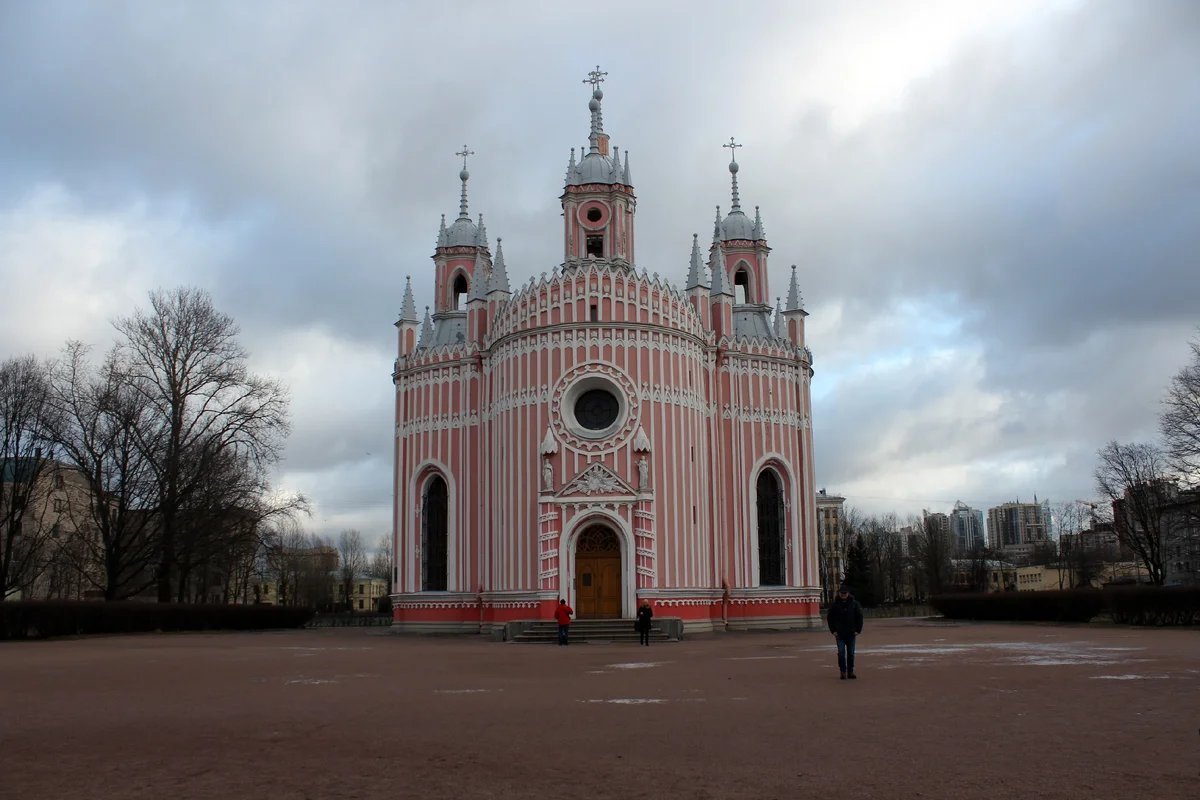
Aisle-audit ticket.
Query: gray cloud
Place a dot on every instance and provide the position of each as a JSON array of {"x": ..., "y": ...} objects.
[{"x": 998, "y": 256}]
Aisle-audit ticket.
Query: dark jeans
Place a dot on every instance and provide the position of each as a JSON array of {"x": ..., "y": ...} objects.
[
  {"x": 644, "y": 635},
  {"x": 562, "y": 633},
  {"x": 845, "y": 646}
]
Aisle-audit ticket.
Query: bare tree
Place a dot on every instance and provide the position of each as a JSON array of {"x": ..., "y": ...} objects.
[
  {"x": 381, "y": 560},
  {"x": 99, "y": 424},
  {"x": 1135, "y": 477},
  {"x": 1180, "y": 419},
  {"x": 207, "y": 410},
  {"x": 302, "y": 564},
  {"x": 24, "y": 460},
  {"x": 931, "y": 553},
  {"x": 352, "y": 562}
]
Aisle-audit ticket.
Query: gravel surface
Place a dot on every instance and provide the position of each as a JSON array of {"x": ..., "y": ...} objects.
[{"x": 941, "y": 710}]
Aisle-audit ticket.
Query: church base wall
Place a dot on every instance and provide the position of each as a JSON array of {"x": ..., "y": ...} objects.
[{"x": 698, "y": 610}]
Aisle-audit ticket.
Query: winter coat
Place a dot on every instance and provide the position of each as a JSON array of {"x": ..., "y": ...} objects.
[
  {"x": 644, "y": 613},
  {"x": 845, "y": 617},
  {"x": 562, "y": 614}
]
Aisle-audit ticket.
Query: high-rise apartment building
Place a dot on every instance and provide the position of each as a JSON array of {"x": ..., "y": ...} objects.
[
  {"x": 966, "y": 526},
  {"x": 1015, "y": 529}
]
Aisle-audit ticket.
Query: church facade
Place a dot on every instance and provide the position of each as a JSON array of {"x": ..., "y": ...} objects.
[{"x": 602, "y": 436}]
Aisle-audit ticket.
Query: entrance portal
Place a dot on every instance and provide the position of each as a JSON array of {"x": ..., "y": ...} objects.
[{"x": 598, "y": 574}]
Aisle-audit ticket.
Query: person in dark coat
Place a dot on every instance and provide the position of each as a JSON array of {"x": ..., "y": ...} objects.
[
  {"x": 644, "y": 614},
  {"x": 845, "y": 620},
  {"x": 562, "y": 615}
]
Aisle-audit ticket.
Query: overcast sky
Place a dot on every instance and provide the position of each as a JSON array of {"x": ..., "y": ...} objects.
[{"x": 994, "y": 206}]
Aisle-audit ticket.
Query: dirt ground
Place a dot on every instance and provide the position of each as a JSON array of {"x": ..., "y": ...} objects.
[{"x": 941, "y": 710}]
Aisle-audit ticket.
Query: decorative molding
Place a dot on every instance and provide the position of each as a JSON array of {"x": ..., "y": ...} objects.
[
  {"x": 559, "y": 420},
  {"x": 437, "y": 422},
  {"x": 773, "y": 416},
  {"x": 549, "y": 445},
  {"x": 596, "y": 479},
  {"x": 641, "y": 442}
]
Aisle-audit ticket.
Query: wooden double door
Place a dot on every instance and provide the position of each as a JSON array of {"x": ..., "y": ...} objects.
[{"x": 598, "y": 574}]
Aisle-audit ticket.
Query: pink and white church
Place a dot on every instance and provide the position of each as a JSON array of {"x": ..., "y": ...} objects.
[{"x": 600, "y": 435}]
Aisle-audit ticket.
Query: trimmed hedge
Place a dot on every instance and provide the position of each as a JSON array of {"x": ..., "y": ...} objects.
[
  {"x": 1134, "y": 605},
  {"x": 39, "y": 619},
  {"x": 1073, "y": 605},
  {"x": 1154, "y": 605}
]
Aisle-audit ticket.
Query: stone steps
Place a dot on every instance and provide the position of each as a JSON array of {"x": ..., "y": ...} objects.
[{"x": 588, "y": 630}]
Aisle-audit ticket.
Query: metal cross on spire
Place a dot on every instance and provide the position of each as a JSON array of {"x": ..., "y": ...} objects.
[
  {"x": 464, "y": 153},
  {"x": 732, "y": 149},
  {"x": 595, "y": 77}
]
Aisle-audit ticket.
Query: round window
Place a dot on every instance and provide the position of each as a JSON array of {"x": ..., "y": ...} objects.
[
  {"x": 597, "y": 409},
  {"x": 593, "y": 214}
]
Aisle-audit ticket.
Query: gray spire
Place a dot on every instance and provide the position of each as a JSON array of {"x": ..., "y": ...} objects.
[
  {"x": 571, "y": 166},
  {"x": 481, "y": 236},
  {"x": 595, "y": 78},
  {"x": 625, "y": 179},
  {"x": 733, "y": 171},
  {"x": 696, "y": 270},
  {"x": 408, "y": 310},
  {"x": 720, "y": 280},
  {"x": 479, "y": 279},
  {"x": 758, "y": 226},
  {"x": 499, "y": 278},
  {"x": 780, "y": 330},
  {"x": 426, "y": 330},
  {"x": 464, "y": 176},
  {"x": 717, "y": 226},
  {"x": 442, "y": 232},
  {"x": 794, "y": 301},
  {"x": 616, "y": 164}
]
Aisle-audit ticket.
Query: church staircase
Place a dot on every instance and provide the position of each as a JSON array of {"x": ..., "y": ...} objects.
[{"x": 599, "y": 631}]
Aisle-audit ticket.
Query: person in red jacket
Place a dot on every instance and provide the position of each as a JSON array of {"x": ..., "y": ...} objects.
[{"x": 562, "y": 615}]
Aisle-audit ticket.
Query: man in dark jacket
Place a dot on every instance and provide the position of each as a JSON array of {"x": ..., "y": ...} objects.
[{"x": 845, "y": 620}]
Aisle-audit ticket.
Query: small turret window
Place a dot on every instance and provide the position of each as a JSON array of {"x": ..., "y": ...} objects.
[
  {"x": 460, "y": 288},
  {"x": 595, "y": 246},
  {"x": 594, "y": 215}
]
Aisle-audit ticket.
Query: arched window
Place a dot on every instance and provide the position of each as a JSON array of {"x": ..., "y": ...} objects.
[
  {"x": 741, "y": 283},
  {"x": 460, "y": 288},
  {"x": 434, "y": 544},
  {"x": 772, "y": 565}
]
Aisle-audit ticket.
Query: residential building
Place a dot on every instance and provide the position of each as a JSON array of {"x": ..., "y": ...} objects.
[
  {"x": 966, "y": 528},
  {"x": 830, "y": 547},
  {"x": 1018, "y": 529}
]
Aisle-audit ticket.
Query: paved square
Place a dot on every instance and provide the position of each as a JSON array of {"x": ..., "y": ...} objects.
[{"x": 942, "y": 710}]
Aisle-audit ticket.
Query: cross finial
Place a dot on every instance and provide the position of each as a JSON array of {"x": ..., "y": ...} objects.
[
  {"x": 464, "y": 153},
  {"x": 595, "y": 77},
  {"x": 732, "y": 149}
]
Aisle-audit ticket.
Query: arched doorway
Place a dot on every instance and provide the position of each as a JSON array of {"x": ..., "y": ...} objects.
[
  {"x": 434, "y": 539},
  {"x": 772, "y": 569},
  {"x": 598, "y": 574}
]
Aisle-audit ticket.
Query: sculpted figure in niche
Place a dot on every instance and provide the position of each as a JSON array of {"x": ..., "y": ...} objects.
[
  {"x": 643, "y": 473},
  {"x": 547, "y": 476}
]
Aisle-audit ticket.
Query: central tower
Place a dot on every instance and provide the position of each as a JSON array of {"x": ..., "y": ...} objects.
[{"x": 598, "y": 201}]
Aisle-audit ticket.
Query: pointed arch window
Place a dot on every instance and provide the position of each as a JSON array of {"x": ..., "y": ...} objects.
[
  {"x": 741, "y": 283},
  {"x": 434, "y": 536},
  {"x": 459, "y": 289},
  {"x": 772, "y": 564}
]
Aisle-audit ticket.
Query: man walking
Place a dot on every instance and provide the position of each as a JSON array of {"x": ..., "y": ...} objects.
[
  {"x": 562, "y": 615},
  {"x": 845, "y": 620}
]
